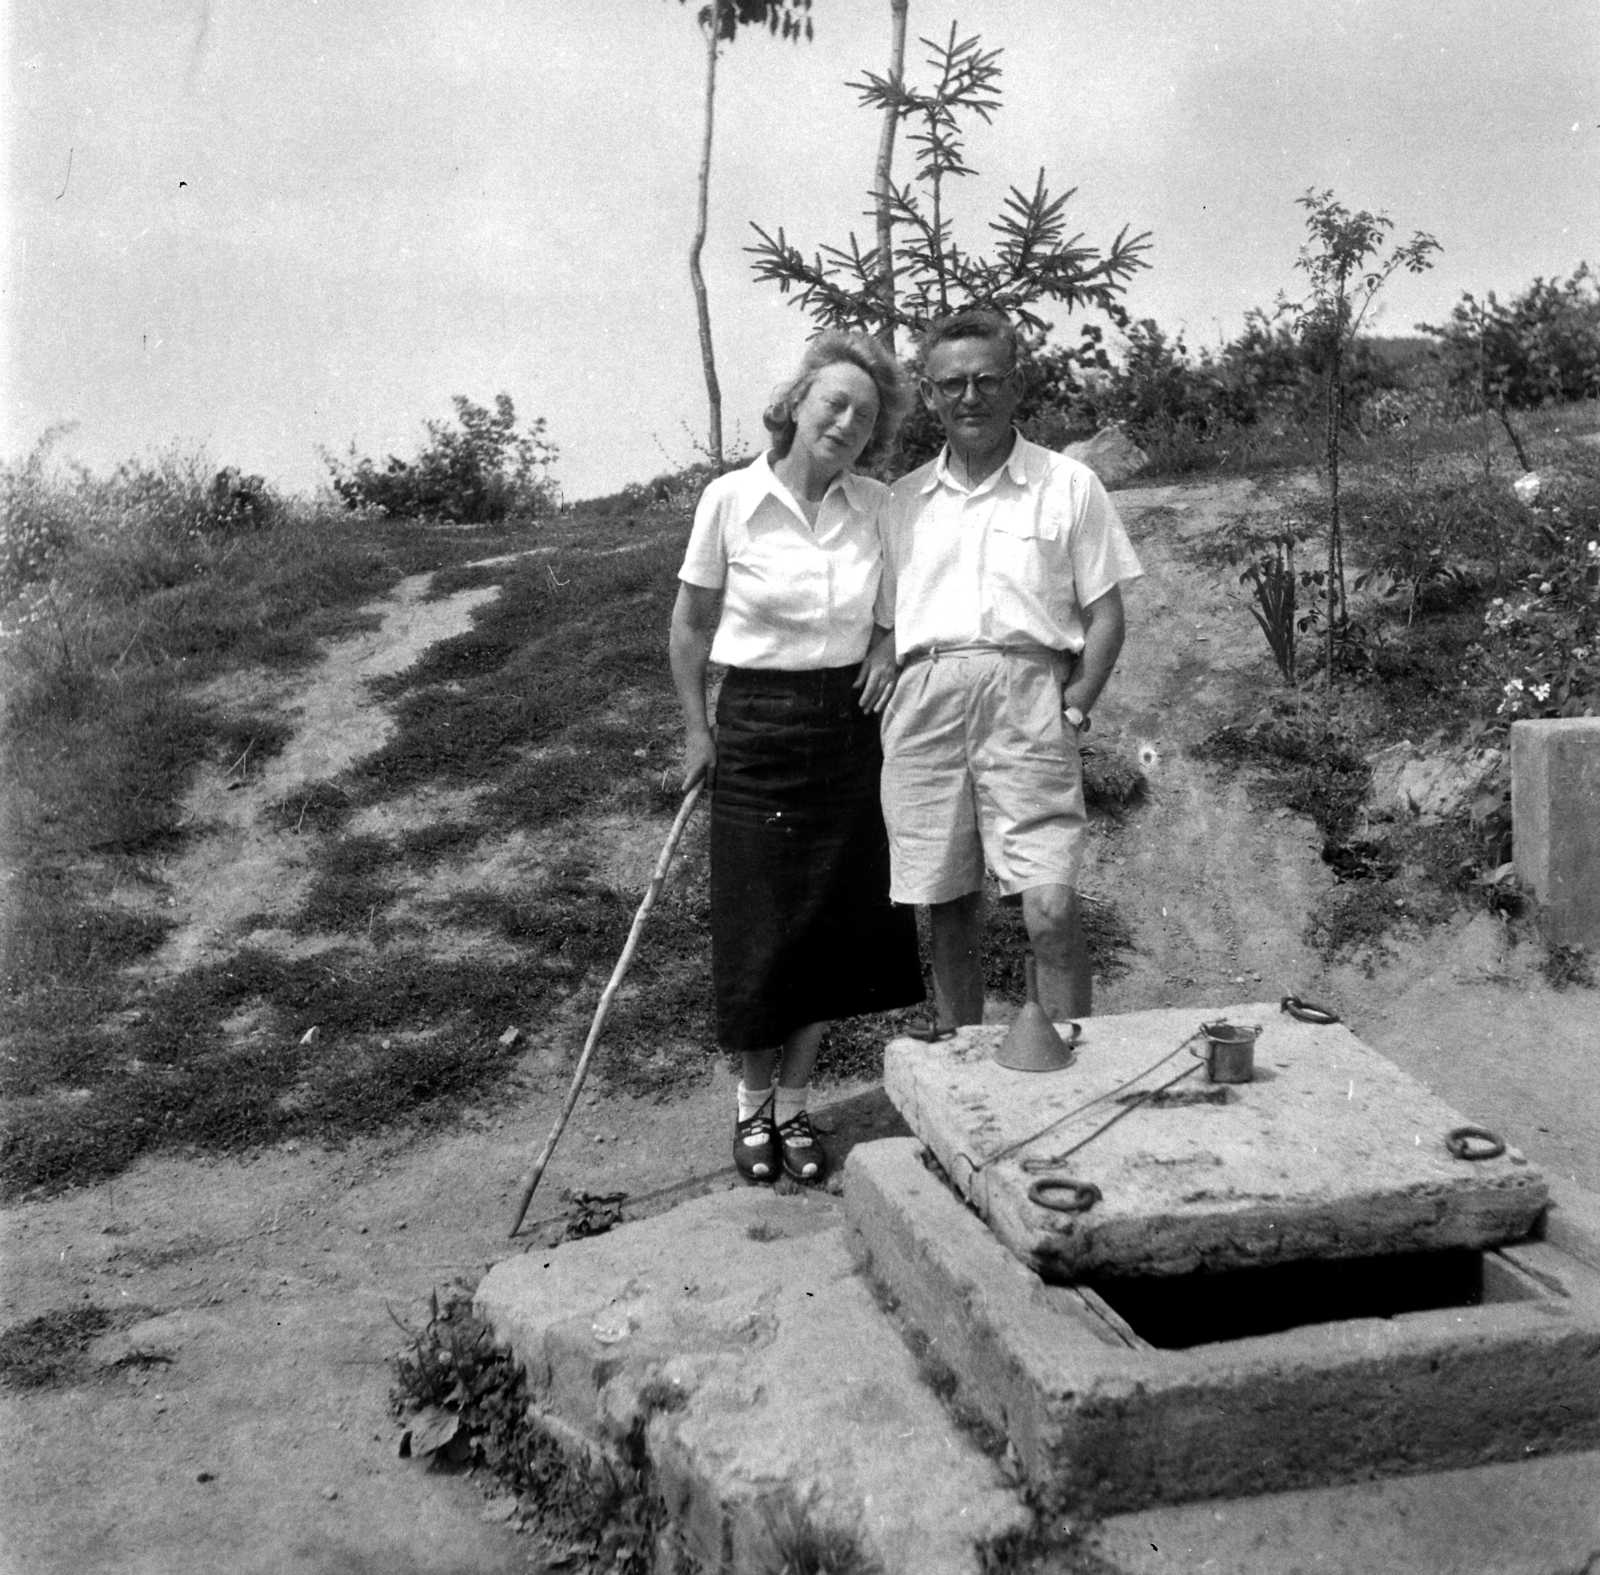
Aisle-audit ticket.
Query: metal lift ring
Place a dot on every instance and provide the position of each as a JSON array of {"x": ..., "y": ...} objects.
[
  {"x": 1081, "y": 1195},
  {"x": 1459, "y": 1141},
  {"x": 1306, "y": 1011}
]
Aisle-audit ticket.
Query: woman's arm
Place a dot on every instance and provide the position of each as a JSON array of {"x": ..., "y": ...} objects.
[{"x": 694, "y": 621}]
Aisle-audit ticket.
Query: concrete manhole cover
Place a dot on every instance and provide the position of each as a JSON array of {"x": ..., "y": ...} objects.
[{"x": 1331, "y": 1152}]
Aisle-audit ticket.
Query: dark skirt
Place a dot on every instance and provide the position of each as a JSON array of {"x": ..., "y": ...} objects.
[{"x": 802, "y": 929}]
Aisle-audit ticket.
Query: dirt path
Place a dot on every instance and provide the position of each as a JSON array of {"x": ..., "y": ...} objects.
[
  {"x": 243, "y": 867},
  {"x": 253, "y": 1434}
]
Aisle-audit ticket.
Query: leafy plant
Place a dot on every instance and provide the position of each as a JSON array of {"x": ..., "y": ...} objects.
[
  {"x": 463, "y": 1398},
  {"x": 1541, "y": 346},
  {"x": 479, "y": 471},
  {"x": 928, "y": 273},
  {"x": 1271, "y": 578},
  {"x": 1345, "y": 272}
]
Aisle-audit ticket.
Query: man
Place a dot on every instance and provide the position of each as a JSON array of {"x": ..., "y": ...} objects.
[{"x": 1002, "y": 575}]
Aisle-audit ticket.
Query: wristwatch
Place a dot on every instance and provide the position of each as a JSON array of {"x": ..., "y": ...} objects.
[{"x": 1078, "y": 719}]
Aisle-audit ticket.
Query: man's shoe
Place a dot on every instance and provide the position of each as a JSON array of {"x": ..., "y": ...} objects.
[
  {"x": 755, "y": 1146},
  {"x": 803, "y": 1159}
]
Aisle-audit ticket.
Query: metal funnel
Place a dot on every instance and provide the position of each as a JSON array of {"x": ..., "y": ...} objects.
[{"x": 1033, "y": 1045}]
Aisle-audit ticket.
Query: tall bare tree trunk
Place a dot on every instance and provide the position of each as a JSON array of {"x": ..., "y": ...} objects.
[
  {"x": 702, "y": 306},
  {"x": 1335, "y": 568},
  {"x": 882, "y": 173}
]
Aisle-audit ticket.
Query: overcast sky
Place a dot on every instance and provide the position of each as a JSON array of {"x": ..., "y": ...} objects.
[{"x": 268, "y": 225}]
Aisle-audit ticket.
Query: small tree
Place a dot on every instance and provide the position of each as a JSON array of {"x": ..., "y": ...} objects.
[
  {"x": 928, "y": 274},
  {"x": 482, "y": 471},
  {"x": 720, "y": 22},
  {"x": 883, "y": 168},
  {"x": 1342, "y": 265}
]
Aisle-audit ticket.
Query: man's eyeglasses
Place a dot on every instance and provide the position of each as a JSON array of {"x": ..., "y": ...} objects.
[{"x": 987, "y": 384}]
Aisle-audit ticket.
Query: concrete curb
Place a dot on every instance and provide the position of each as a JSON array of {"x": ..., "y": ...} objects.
[
  {"x": 1100, "y": 1426},
  {"x": 1571, "y": 1223},
  {"x": 735, "y": 1342}
]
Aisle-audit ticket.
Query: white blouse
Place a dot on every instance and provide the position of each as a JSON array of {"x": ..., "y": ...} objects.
[{"x": 795, "y": 597}]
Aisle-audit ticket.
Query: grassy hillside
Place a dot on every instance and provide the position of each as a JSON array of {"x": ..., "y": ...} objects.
[{"x": 464, "y": 876}]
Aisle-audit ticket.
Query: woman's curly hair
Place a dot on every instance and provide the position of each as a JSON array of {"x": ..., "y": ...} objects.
[{"x": 828, "y": 349}]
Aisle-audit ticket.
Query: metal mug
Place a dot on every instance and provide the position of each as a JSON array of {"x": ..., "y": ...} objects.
[{"x": 1230, "y": 1051}]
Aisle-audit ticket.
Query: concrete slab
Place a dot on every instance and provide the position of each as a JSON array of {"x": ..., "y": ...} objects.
[
  {"x": 1538, "y": 1518},
  {"x": 1101, "y": 1422},
  {"x": 1332, "y": 1152},
  {"x": 734, "y": 1336},
  {"x": 1555, "y": 815}
]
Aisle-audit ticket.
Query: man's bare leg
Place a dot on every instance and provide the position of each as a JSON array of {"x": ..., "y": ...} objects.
[
  {"x": 1053, "y": 915},
  {"x": 958, "y": 959}
]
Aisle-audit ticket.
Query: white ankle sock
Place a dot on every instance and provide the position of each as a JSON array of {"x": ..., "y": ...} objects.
[
  {"x": 751, "y": 1100},
  {"x": 789, "y": 1103}
]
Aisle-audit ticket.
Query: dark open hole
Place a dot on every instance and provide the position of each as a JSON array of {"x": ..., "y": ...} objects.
[{"x": 1201, "y": 1309}]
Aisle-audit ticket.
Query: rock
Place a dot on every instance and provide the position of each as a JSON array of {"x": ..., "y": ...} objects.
[
  {"x": 1528, "y": 487},
  {"x": 1429, "y": 787},
  {"x": 311, "y": 1035},
  {"x": 510, "y": 1037},
  {"x": 1111, "y": 454}
]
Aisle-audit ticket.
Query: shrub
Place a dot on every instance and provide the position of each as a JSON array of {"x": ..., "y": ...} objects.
[
  {"x": 1540, "y": 347},
  {"x": 1190, "y": 411},
  {"x": 474, "y": 474},
  {"x": 35, "y": 527}
]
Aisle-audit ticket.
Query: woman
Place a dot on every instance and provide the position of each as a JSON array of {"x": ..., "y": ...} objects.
[{"x": 802, "y": 930}]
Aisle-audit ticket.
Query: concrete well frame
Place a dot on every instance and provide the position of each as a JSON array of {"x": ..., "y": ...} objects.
[{"x": 1103, "y": 1423}]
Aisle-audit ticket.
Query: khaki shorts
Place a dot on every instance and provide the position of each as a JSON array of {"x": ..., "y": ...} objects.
[{"x": 979, "y": 764}]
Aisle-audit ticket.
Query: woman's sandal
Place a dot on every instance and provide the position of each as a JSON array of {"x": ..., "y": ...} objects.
[
  {"x": 755, "y": 1146},
  {"x": 803, "y": 1159}
]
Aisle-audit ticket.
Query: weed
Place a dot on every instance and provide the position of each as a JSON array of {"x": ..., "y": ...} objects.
[
  {"x": 1348, "y": 917},
  {"x": 1314, "y": 772},
  {"x": 1112, "y": 783},
  {"x": 401, "y": 1036},
  {"x": 1051, "y": 1546},
  {"x": 1564, "y": 966},
  {"x": 464, "y": 1399},
  {"x": 318, "y": 807},
  {"x": 353, "y": 884},
  {"x": 47, "y": 1351},
  {"x": 802, "y": 1540},
  {"x": 61, "y": 924}
]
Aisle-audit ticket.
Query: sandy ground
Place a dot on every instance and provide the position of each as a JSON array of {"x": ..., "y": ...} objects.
[{"x": 256, "y": 1437}]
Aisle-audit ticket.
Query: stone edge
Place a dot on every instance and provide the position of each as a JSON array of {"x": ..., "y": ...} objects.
[{"x": 1100, "y": 1429}]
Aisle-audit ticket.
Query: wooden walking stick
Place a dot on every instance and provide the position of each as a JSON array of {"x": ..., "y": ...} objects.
[{"x": 657, "y": 881}]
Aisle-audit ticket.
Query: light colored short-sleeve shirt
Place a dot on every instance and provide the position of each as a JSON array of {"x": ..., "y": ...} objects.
[
  {"x": 795, "y": 596},
  {"x": 1013, "y": 561}
]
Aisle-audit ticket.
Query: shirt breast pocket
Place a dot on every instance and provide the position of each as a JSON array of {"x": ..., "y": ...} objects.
[{"x": 1039, "y": 525}]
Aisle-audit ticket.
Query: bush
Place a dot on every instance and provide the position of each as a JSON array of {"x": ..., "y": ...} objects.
[
  {"x": 1542, "y": 346},
  {"x": 480, "y": 473},
  {"x": 1526, "y": 578}
]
